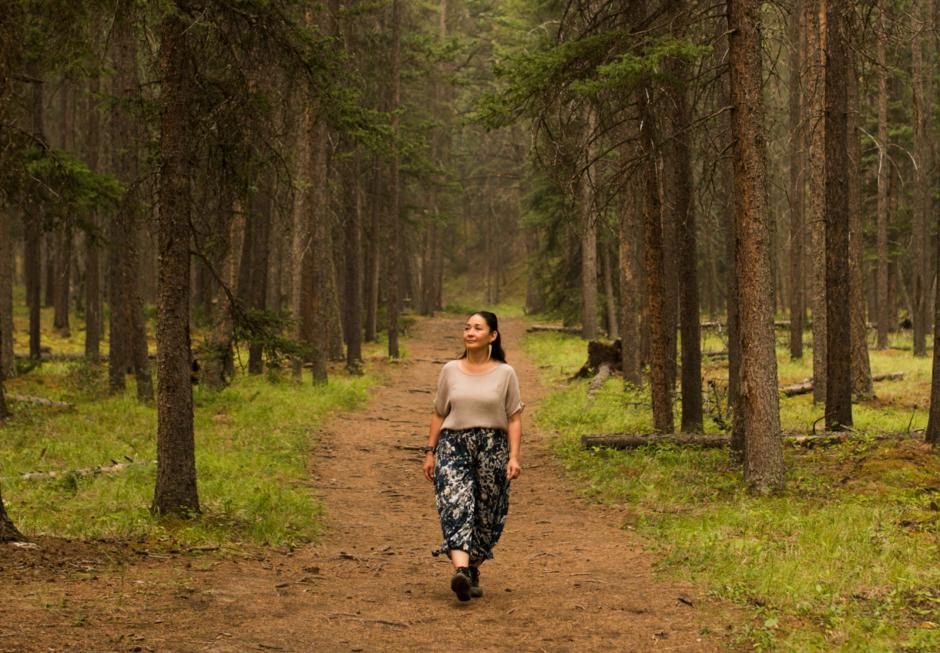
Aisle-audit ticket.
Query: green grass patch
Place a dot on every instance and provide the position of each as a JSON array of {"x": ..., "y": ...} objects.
[
  {"x": 845, "y": 560},
  {"x": 253, "y": 443}
]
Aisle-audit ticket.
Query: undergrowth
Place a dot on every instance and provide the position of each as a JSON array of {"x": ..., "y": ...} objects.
[
  {"x": 845, "y": 560},
  {"x": 253, "y": 445}
]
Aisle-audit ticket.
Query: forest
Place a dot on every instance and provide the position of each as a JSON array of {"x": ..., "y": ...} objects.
[{"x": 237, "y": 236}]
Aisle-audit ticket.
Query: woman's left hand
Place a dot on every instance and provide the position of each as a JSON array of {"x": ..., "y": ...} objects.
[{"x": 513, "y": 469}]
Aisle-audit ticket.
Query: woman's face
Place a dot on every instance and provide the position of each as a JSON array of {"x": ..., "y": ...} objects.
[{"x": 477, "y": 334}]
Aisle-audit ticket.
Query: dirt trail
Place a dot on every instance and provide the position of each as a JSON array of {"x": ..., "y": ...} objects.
[{"x": 565, "y": 577}]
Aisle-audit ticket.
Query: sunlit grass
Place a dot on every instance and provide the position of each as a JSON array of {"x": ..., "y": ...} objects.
[{"x": 845, "y": 560}]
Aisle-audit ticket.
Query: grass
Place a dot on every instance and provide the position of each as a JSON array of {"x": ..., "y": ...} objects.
[
  {"x": 253, "y": 444},
  {"x": 845, "y": 560}
]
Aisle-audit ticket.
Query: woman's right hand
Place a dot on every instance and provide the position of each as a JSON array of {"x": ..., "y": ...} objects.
[{"x": 429, "y": 466}]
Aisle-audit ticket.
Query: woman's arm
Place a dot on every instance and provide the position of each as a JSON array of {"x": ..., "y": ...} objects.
[
  {"x": 436, "y": 422},
  {"x": 515, "y": 441}
]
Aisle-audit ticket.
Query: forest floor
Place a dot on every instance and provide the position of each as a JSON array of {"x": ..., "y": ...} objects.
[{"x": 565, "y": 577}]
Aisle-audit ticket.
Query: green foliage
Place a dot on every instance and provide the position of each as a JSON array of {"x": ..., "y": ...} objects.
[{"x": 843, "y": 561}]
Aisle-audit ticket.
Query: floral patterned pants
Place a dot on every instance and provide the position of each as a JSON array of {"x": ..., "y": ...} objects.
[{"x": 472, "y": 492}]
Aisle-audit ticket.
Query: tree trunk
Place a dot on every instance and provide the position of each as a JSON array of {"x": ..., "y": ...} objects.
[
  {"x": 628, "y": 233},
  {"x": 393, "y": 228},
  {"x": 62, "y": 264},
  {"x": 32, "y": 226},
  {"x": 8, "y": 532},
  {"x": 48, "y": 298},
  {"x": 261, "y": 236},
  {"x": 816, "y": 33},
  {"x": 92, "y": 262},
  {"x": 660, "y": 380},
  {"x": 175, "y": 491},
  {"x": 373, "y": 256},
  {"x": 759, "y": 409},
  {"x": 218, "y": 362},
  {"x": 885, "y": 315},
  {"x": 321, "y": 260},
  {"x": 838, "y": 328},
  {"x": 862, "y": 387},
  {"x": 921, "y": 200},
  {"x": 796, "y": 186},
  {"x": 300, "y": 235},
  {"x": 7, "y": 359},
  {"x": 686, "y": 252},
  {"x": 352, "y": 320},
  {"x": 610, "y": 299},
  {"x": 588, "y": 230}
]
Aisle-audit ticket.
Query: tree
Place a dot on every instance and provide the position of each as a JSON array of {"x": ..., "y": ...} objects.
[
  {"x": 393, "y": 219},
  {"x": 838, "y": 328},
  {"x": 796, "y": 184},
  {"x": 660, "y": 379},
  {"x": 175, "y": 491},
  {"x": 884, "y": 318},
  {"x": 921, "y": 202},
  {"x": 588, "y": 228},
  {"x": 758, "y": 409}
]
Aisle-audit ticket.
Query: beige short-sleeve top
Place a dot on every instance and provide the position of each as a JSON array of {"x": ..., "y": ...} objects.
[{"x": 485, "y": 400}]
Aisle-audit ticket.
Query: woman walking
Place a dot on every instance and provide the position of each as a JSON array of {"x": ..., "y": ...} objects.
[{"x": 473, "y": 450}]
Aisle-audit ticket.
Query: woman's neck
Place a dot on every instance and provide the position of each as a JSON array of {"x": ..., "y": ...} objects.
[{"x": 478, "y": 358}]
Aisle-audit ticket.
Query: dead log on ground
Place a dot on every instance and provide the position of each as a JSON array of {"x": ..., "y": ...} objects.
[
  {"x": 599, "y": 379},
  {"x": 631, "y": 441},
  {"x": 807, "y": 386},
  {"x": 87, "y": 471},
  {"x": 548, "y": 328},
  {"x": 39, "y": 401}
]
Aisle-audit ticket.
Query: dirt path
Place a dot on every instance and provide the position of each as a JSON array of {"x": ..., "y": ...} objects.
[{"x": 565, "y": 578}]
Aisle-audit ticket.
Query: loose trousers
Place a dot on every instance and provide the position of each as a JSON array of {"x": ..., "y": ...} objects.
[{"x": 471, "y": 489}]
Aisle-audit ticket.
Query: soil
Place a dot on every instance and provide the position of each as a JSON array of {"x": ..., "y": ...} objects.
[{"x": 566, "y": 576}]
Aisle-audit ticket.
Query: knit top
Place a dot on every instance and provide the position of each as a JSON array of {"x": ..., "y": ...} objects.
[{"x": 484, "y": 400}]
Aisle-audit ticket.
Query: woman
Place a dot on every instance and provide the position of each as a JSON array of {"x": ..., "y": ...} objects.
[{"x": 473, "y": 450}]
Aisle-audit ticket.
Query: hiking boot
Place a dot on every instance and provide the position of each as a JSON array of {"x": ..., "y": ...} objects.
[
  {"x": 460, "y": 583},
  {"x": 475, "y": 590}
]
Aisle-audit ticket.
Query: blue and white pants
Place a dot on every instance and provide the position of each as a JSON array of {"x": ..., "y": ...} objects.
[{"x": 471, "y": 489}]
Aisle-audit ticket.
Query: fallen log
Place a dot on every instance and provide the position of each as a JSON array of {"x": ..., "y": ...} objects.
[
  {"x": 87, "y": 471},
  {"x": 40, "y": 401},
  {"x": 715, "y": 354},
  {"x": 628, "y": 441},
  {"x": 599, "y": 379},
  {"x": 548, "y": 328},
  {"x": 631, "y": 441},
  {"x": 807, "y": 386}
]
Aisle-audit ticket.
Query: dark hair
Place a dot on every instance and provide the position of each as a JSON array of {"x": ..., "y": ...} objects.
[{"x": 497, "y": 345}]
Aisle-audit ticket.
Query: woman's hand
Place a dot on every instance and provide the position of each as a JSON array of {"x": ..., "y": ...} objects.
[
  {"x": 429, "y": 466},
  {"x": 513, "y": 469}
]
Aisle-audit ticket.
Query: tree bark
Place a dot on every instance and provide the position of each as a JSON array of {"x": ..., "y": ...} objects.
[
  {"x": 660, "y": 379},
  {"x": 392, "y": 230},
  {"x": 862, "y": 387},
  {"x": 588, "y": 229},
  {"x": 263, "y": 204},
  {"x": 373, "y": 256},
  {"x": 885, "y": 315},
  {"x": 759, "y": 409},
  {"x": 32, "y": 224},
  {"x": 687, "y": 252},
  {"x": 610, "y": 299},
  {"x": 7, "y": 359},
  {"x": 629, "y": 231},
  {"x": 816, "y": 39},
  {"x": 175, "y": 491},
  {"x": 63, "y": 235},
  {"x": 796, "y": 185},
  {"x": 92, "y": 262},
  {"x": 352, "y": 320},
  {"x": 921, "y": 201},
  {"x": 838, "y": 328}
]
